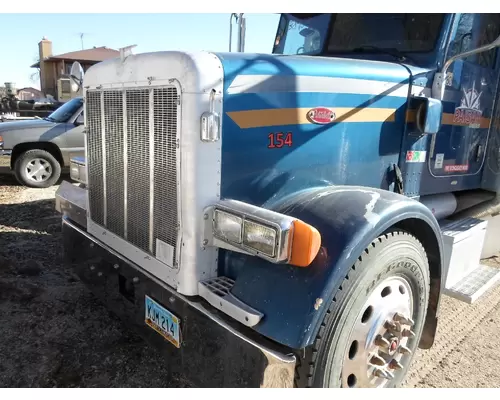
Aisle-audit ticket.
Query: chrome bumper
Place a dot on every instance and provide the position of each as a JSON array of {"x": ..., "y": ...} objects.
[
  {"x": 77, "y": 169},
  {"x": 276, "y": 368},
  {"x": 71, "y": 202}
]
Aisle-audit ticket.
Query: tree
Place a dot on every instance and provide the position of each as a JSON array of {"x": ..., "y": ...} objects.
[{"x": 35, "y": 76}]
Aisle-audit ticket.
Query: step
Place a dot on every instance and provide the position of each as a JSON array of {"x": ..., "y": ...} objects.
[
  {"x": 474, "y": 284},
  {"x": 217, "y": 291},
  {"x": 462, "y": 244}
]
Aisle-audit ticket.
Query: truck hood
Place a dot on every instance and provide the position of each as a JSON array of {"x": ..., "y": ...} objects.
[
  {"x": 26, "y": 124},
  {"x": 238, "y": 66}
]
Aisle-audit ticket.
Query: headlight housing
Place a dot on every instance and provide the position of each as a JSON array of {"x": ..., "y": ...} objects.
[{"x": 276, "y": 237}]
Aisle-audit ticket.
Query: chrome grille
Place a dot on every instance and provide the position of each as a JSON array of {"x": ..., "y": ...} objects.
[
  {"x": 165, "y": 171},
  {"x": 94, "y": 156},
  {"x": 138, "y": 168},
  {"x": 113, "y": 127},
  {"x": 132, "y": 164}
]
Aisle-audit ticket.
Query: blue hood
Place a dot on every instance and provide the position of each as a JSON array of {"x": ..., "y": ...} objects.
[
  {"x": 265, "y": 64},
  {"x": 266, "y": 95}
]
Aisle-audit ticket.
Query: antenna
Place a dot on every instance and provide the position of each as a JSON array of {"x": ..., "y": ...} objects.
[{"x": 82, "y": 34}]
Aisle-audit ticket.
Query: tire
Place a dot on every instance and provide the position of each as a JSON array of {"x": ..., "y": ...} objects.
[
  {"x": 338, "y": 356},
  {"x": 44, "y": 160}
]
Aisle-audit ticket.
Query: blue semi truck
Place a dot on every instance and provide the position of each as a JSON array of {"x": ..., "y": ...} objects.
[{"x": 294, "y": 218}]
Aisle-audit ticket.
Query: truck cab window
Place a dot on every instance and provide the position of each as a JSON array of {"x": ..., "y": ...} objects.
[
  {"x": 473, "y": 32},
  {"x": 66, "y": 111},
  {"x": 402, "y": 32},
  {"x": 330, "y": 34},
  {"x": 301, "y": 35}
]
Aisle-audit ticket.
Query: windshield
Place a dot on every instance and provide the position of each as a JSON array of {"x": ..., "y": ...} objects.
[
  {"x": 66, "y": 111},
  {"x": 345, "y": 33}
]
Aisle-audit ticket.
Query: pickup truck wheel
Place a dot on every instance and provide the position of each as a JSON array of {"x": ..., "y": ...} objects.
[
  {"x": 373, "y": 326},
  {"x": 37, "y": 169}
]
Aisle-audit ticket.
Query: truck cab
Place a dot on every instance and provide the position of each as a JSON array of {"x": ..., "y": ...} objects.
[{"x": 299, "y": 213}]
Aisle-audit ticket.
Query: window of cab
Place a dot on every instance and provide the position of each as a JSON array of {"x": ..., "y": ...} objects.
[{"x": 392, "y": 35}]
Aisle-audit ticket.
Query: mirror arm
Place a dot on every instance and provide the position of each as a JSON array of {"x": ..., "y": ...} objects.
[{"x": 440, "y": 80}]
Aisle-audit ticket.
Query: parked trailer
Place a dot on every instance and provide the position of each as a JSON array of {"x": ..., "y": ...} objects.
[{"x": 292, "y": 219}]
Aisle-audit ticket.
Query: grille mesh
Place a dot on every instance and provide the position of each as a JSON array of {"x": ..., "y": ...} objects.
[
  {"x": 138, "y": 167},
  {"x": 94, "y": 156},
  {"x": 113, "y": 127},
  {"x": 165, "y": 172},
  {"x": 127, "y": 186}
]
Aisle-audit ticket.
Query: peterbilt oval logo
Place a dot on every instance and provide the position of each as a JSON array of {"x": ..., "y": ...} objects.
[{"x": 321, "y": 115}]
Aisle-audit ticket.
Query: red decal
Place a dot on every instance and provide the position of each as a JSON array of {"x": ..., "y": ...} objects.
[
  {"x": 456, "y": 168},
  {"x": 321, "y": 115},
  {"x": 469, "y": 111},
  {"x": 467, "y": 117},
  {"x": 280, "y": 139}
]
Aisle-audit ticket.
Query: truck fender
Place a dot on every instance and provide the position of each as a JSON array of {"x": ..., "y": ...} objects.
[{"x": 294, "y": 300}]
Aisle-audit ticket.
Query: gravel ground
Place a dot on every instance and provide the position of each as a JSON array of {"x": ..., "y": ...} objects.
[
  {"x": 56, "y": 334},
  {"x": 53, "y": 332}
]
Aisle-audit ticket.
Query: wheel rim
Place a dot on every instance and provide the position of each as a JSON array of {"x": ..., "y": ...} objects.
[
  {"x": 38, "y": 170},
  {"x": 378, "y": 343}
]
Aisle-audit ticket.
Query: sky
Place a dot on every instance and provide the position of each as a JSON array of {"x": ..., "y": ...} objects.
[{"x": 150, "y": 32}]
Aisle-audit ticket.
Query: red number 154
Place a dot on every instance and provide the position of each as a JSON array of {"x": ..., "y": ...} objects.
[{"x": 280, "y": 139}]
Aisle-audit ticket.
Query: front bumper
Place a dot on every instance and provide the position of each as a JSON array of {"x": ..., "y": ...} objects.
[
  {"x": 78, "y": 171},
  {"x": 215, "y": 350},
  {"x": 5, "y": 158}
]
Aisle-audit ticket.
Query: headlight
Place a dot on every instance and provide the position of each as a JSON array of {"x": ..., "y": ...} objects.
[
  {"x": 227, "y": 226},
  {"x": 276, "y": 237},
  {"x": 260, "y": 238}
]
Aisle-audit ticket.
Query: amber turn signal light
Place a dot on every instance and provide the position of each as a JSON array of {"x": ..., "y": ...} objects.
[{"x": 305, "y": 244}]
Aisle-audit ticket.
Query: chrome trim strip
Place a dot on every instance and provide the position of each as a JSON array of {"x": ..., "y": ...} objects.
[
  {"x": 151, "y": 168},
  {"x": 288, "y": 359},
  {"x": 178, "y": 188},
  {"x": 125, "y": 164},
  {"x": 103, "y": 145},
  {"x": 320, "y": 84}
]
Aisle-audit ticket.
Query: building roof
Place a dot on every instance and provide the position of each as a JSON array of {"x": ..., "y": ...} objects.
[
  {"x": 97, "y": 54},
  {"x": 31, "y": 89}
]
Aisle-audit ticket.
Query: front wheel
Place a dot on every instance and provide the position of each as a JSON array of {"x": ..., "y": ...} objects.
[
  {"x": 37, "y": 169},
  {"x": 373, "y": 326}
]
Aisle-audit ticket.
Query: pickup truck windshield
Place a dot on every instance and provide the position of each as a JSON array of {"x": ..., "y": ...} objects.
[
  {"x": 394, "y": 34},
  {"x": 66, "y": 111}
]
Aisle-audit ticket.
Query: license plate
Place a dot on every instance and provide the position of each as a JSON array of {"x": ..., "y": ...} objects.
[{"x": 162, "y": 321}]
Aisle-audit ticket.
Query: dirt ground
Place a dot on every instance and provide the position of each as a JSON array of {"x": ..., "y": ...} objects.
[{"x": 54, "y": 333}]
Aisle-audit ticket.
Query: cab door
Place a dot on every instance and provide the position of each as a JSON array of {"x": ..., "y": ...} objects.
[{"x": 457, "y": 152}]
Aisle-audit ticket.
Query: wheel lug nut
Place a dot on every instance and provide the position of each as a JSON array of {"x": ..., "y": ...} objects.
[
  {"x": 404, "y": 350},
  {"x": 398, "y": 317},
  {"x": 394, "y": 364},
  {"x": 382, "y": 342},
  {"x": 377, "y": 360},
  {"x": 408, "y": 333},
  {"x": 382, "y": 373},
  {"x": 391, "y": 326}
]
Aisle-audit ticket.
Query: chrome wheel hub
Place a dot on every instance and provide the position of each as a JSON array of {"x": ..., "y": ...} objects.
[
  {"x": 378, "y": 342},
  {"x": 38, "y": 170}
]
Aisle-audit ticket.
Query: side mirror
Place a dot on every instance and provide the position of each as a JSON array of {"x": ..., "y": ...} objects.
[
  {"x": 80, "y": 120},
  {"x": 429, "y": 114},
  {"x": 440, "y": 78}
]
